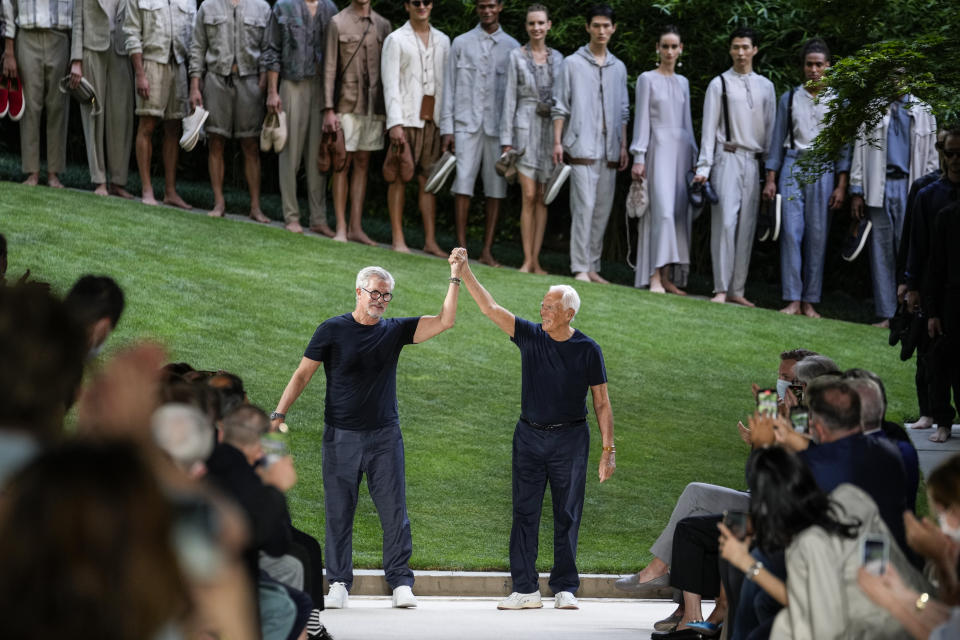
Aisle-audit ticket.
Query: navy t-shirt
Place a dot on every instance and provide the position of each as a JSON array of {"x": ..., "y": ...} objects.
[
  {"x": 360, "y": 362},
  {"x": 556, "y": 375}
]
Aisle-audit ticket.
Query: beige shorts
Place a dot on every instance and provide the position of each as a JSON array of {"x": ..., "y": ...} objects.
[
  {"x": 362, "y": 133},
  {"x": 168, "y": 91},
  {"x": 424, "y": 145},
  {"x": 235, "y": 104}
]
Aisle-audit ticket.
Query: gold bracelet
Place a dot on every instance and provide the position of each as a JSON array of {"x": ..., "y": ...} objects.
[
  {"x": 610, "y": 449},
  {"x": 922, "y": 601}
]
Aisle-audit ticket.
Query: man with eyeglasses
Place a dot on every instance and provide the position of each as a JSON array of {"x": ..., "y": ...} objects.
[
  {"x": 551, "y": 442},
  {"x": 359, "y": 351}
]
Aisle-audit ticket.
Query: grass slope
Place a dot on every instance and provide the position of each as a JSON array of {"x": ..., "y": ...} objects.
[{"x": 247, "y": 298}]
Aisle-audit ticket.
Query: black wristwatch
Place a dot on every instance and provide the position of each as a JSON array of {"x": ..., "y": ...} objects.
[{"x": 277, "y": 414}]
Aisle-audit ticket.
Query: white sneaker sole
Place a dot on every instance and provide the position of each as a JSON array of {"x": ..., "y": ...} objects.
[{"x": 526, "y": 605}]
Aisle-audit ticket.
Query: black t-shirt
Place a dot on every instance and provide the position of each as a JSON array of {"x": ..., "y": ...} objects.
[
  {"x": 360, "y": 362},
  {"x": 556, "y": 375}
]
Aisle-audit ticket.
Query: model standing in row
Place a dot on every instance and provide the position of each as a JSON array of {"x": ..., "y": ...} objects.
[
  {"x": 663, "y": 151},
  {"x": 526, "y": 128}
]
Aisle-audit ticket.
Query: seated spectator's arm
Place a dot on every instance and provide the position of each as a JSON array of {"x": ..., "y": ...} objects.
[
  {"x": 919, "y": 616},
  {"x": 926, "y": 538},
  {"x": 298, "y": 381},
  {"x": 737, "y": 553}
]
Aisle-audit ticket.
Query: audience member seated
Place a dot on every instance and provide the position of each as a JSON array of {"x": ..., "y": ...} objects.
[
  {"x": 873, "y": 410},
  {"x": 701, "y": 499},
  {"x": 186, "y": 435},
  {"x": 43, "y": 351},
  {"x": 97, "y": 303},
  {"x": 238, "y": 468},
  {"x": 85, "y": 546},
  {"x": 919, "y": 613},
  {"x": 822, "y": 536}
]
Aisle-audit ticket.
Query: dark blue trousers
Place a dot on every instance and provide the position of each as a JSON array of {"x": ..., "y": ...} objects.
[
  {"x": 346, "y": 456},
  {"x": 560, "y": 458}
]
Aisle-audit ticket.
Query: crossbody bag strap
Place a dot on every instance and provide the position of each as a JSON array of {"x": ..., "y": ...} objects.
[
  {"x": 726, "y": 110},
  {"x": 790, "y": 116}
]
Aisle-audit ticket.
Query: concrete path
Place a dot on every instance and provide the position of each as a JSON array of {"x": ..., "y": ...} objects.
[
  {"x": 371, "y": 617},
  {"x": 933, "y": 453}
]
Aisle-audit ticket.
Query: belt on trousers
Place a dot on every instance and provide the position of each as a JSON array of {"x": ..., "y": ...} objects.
[
  {"x": 896, "y": 174},
  {"x": 730, "y": 147},
  {"x": 587, "y": 162},
  {"x": 559, "y": 426}
]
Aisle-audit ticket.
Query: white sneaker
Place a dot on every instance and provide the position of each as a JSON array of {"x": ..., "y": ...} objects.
[
  {"x": 565, "y": 600},
  {"x": 337, "y": 596},
  {"x": 403, "y": 598},
  {"x": 521, "y": 601}
]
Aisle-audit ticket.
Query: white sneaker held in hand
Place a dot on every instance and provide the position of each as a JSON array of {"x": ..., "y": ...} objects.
[
  {"x": 521, "y": 601},
  {"x": 403, "y": 598},
  {"x": 337, "y": 596},
  {"x": 565, "y": 600}
]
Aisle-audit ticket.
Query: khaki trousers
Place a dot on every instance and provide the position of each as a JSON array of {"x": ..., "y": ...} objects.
[
  {"x": 109, "y": 134},
  {"x": 301, "y": 102},
  {"x": 43, "y": 56}
]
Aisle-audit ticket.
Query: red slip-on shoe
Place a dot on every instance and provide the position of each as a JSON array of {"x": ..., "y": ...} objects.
[
  {"x": 15, "y": 98},
  {"x": 4, "y": 100}
]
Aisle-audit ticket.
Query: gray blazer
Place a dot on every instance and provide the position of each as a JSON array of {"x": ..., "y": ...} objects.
[
  {"x": 91, "y": 28},
  {"x": 521, "y": 98}
]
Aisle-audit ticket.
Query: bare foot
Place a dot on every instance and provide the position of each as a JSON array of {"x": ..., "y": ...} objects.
[
  {"x": 792, "y": 309},
  {"x": 883, "y": 324},
  {"x": 809, "y": 311},
  {"x": 218, "y": 210},
  {"x": 674, "y": 289},
  {"x": 487, "y": 259},
  {"x": 740, "y": 300},
  {"x": 174, "y": 200},
  {"x": 525, "y": 268},
  {"x": 119, "y": 191},
  {"x": 257, "y": 216},
  {"x": 363, "y": 238},
  {"x": 925, "y": 422},
  {"x": 340, "y": 237},
  {"x": 582, "y": 277},
  {"x": 401, "y": 248},
  {"x": 656, "y": 286},
  {"x": 148, "y": 199},
  {"x": 101, "y": 190},
  {"x": 942, "y": 435},
  {"x": 53, "y": 181},
  {"x": 323, "y": 229},
  {"x": 596, "y": 277},
  {"x": 435, "y": 250},
  {"x": 540, "y": 271},
  {"x": 32, "y": 180},
  {"x": 720, "y": 296},
  {"x": 293, "y": 227}
]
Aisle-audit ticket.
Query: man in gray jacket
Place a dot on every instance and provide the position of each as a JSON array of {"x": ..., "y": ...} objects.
[
  {"x": 158, "y": 34},
  {"x": 98, "y": 53},
  {"x": 225, "y": 62},
  {"x": 590, "y": 113},
  {"x": 475, "y": 82}
]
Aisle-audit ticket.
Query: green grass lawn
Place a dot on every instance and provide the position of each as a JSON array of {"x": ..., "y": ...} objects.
[{"x": 246, "y": 298}]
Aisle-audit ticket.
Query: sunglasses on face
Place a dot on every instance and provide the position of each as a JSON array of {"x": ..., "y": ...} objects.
[
  {"x": 376, "y": 295},
  {"x": 421, "y": 3}
]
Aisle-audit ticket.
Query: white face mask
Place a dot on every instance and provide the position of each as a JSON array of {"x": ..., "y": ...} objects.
[
  {"x": 94, "y": 352},
  {"x": 782, "y": 387},
  {"x": 953, "y": 532}
]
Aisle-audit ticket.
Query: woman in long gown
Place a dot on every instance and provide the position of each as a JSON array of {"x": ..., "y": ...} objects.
[
  {"x": 664, "y": 149},
  {"x": 526, "y": 127}
]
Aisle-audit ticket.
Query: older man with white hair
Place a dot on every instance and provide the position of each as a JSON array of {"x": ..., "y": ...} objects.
[
  {"x": 551, "y": 442},
  {"x": 185, "y": 434},
  {"x": 359, "y": 351}
]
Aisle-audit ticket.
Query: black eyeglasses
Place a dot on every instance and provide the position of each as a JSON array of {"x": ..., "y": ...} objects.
[
  {"x": 421, "y": 3},
  {"x": 950, "y": 154},
  {"x": 376, "y": 295}
]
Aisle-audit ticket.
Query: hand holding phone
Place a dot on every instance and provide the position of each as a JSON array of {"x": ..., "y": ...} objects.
[{"x": 875, "y": 553}]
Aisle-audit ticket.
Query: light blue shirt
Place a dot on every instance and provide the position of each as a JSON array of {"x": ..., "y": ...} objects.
[{"x": 898, "y": 137}]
